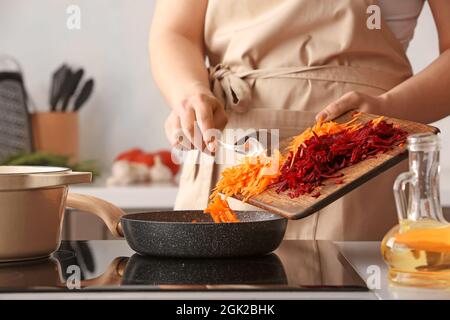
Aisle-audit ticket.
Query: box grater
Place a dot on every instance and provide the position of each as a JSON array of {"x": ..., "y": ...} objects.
[{"x": 15, "y": 128}]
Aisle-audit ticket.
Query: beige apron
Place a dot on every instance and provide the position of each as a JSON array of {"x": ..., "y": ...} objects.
[{"x": 275, "y": 64}]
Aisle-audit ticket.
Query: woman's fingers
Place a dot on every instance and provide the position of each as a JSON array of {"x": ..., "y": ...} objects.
[
  {"x": 204, "y": 108},
  {"x": 187, "y": 119},
  {"x": 347, "y": 102},
  {"x": 220, "y": 118},
  {"x": 355, "y": 101},
  {"x": 173, "y": 130},
  {"x": 200, "y": 117}
]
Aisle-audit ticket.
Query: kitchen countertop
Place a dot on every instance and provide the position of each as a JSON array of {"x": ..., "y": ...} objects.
[
  {"x": 163, "y": 196},
  {"x": 363, "y": 256},
  {"x": 155, "y": 196}
]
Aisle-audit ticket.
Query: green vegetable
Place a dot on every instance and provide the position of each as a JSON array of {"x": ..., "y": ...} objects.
[{"x": 52, "y": 160}]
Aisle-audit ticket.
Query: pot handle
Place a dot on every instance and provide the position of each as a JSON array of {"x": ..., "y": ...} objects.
[{"x": 109, "y": 213}]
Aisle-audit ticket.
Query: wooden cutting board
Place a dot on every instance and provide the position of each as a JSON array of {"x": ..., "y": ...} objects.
[{"x": 354, "y": 176}]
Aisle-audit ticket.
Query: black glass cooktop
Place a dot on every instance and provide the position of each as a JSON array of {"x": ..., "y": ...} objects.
[{"x": 112, "y": 265}]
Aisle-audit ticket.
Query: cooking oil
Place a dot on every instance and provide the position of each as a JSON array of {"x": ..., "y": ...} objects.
[
  {"x": 414, "y": 261},
  {"x": 417, "y": 250}
]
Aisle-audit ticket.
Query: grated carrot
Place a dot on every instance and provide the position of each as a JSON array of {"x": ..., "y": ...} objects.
[
  {"x": 220, "y": 211},
  {"x": 249, "y": 178},
  {"x": 253, "y": 175},
  {"x": 377, "y": 120}
]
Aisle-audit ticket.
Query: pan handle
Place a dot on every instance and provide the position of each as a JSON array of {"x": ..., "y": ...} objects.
[
  {"x": 109, "y": 213},
  {"x": 112, "y": 276}
]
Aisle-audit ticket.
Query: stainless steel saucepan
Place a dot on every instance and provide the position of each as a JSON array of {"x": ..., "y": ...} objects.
[
  {"x": 32, "y": 203},
  {"x": 33, "y": 200}
]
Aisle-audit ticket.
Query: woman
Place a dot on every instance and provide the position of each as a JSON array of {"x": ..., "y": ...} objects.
[{"x": 277, "y": 64}]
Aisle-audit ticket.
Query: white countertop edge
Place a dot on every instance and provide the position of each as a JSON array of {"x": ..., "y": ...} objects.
[
  {"x": 132, "y": 197},
  {"x": 177, "y": 295}
]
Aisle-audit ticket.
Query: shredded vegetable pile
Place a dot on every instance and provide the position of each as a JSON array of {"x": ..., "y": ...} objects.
[
  {"x": 249, "y": 178},
  {"x": 321, "y": 157},
  {"x": 323, "y": 129},
  {"x": 313, "y": 156}
]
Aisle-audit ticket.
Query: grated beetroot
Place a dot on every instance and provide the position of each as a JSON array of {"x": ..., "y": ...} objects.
[{"x": 321, "y": 157}]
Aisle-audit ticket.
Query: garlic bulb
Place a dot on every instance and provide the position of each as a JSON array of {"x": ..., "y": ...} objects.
[
  {"x": 139, "y": 172},
  {"x": 122, "y": 174},
  {"x": 159, "y": 172},
  {"x": 121, "y": 170}
]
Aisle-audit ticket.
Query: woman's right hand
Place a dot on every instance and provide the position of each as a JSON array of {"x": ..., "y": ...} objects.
[{"x": 196, "y": 122}]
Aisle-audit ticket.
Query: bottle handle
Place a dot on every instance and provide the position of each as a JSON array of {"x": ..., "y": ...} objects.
[{"x": 400, "y": 194}]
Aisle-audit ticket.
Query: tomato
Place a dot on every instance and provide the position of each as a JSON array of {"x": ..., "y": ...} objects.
[
  {"x": 145, "y": 158},
  {"x": 129, "y": 155},
  {"x": 136, "y": 155}
]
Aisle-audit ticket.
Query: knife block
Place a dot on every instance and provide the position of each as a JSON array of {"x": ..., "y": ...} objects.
[{"x": 57, "y": 133}]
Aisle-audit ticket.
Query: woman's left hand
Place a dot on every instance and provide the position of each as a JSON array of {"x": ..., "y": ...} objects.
[{"x": 356, "y": 101}]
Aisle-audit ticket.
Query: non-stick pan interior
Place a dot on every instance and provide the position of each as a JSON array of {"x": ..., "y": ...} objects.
[{"x": 198, "y": 216}]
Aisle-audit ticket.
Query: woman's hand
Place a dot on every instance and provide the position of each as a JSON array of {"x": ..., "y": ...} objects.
[
  {"x": 196, "y": 119},
  {"x": 354, "y": 101},
  {"x": 177, "y": 52}
]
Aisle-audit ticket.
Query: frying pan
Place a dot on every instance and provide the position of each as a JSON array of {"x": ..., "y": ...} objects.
[{"x": 174, "y": 234}]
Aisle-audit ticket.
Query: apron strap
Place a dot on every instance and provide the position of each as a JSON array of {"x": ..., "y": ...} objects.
[
  {"x": 230, "y": 87},
  {"x": 233, "y": 89}
]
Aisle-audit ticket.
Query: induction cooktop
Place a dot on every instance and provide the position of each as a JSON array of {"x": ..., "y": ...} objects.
[{"x": 112, "y": 266}]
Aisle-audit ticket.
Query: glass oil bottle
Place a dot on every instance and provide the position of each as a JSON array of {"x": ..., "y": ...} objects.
[{"x": 417, "y": 250}]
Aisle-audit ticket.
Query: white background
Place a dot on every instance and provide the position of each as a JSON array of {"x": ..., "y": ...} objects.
[{"x": 126, "y": 110}]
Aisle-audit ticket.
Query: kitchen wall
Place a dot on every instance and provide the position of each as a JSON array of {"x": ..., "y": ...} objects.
[
  {"x": 423, "y": 50},
  {"x": 126, "y": 109}
]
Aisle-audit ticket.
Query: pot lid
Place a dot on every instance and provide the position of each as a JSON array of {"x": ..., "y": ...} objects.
[
  {"x": 35, "y": 177},
  {"x": 7, "y": 170}
]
